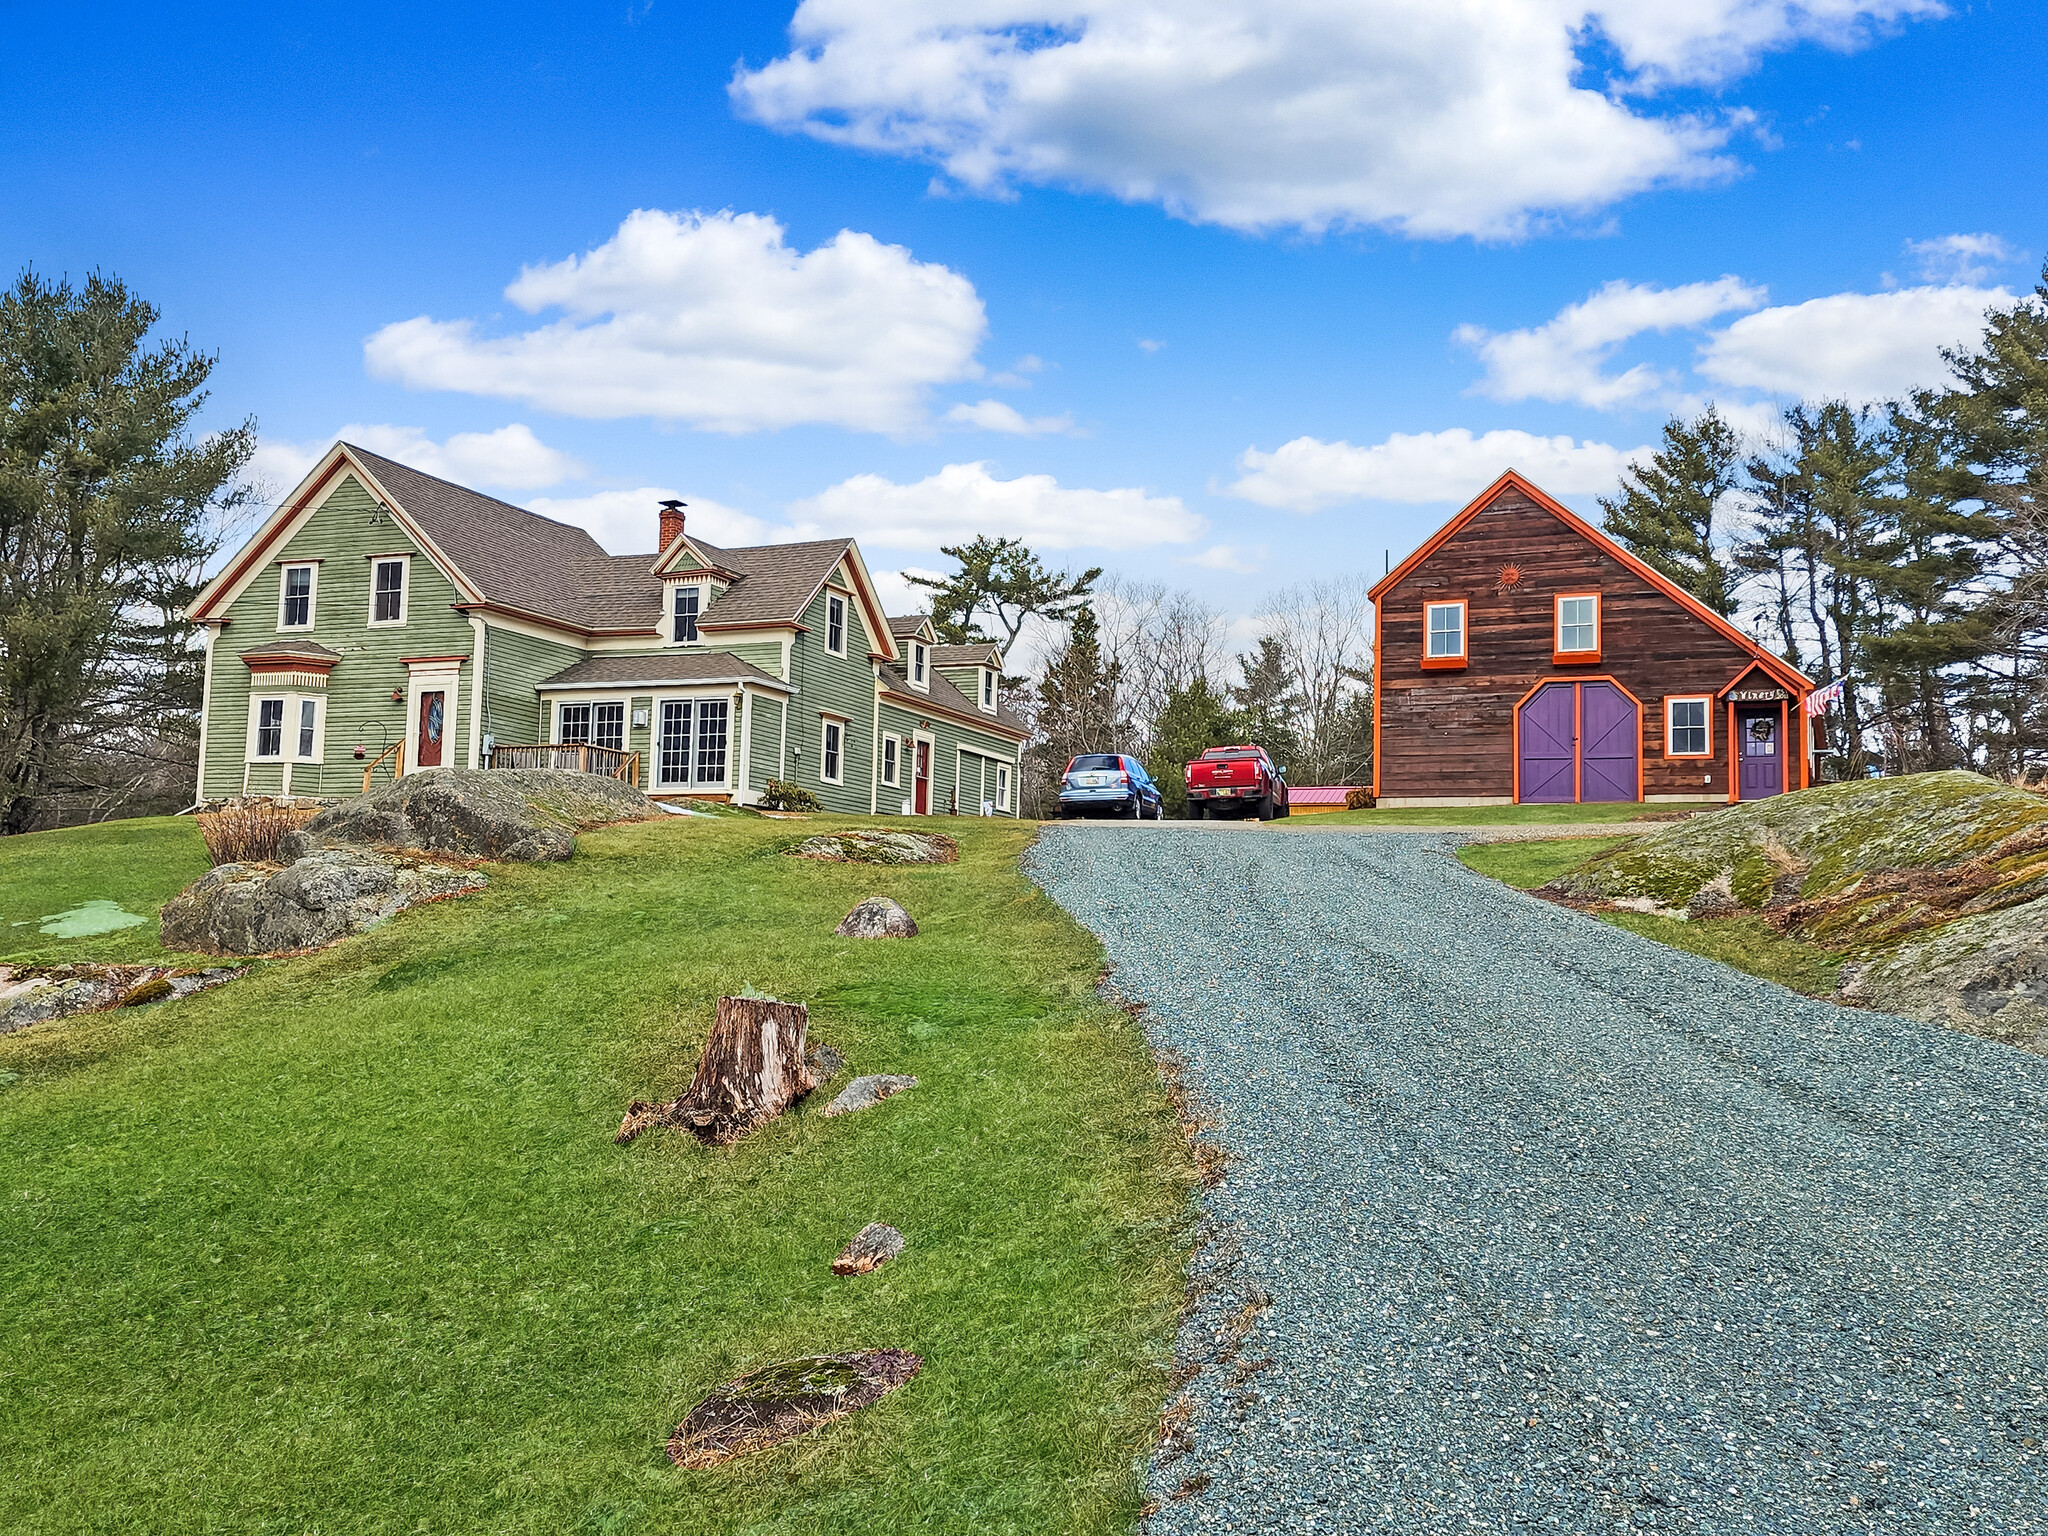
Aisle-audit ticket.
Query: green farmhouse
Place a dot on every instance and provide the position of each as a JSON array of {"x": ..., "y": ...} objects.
[{"x": 383, "y": 621}]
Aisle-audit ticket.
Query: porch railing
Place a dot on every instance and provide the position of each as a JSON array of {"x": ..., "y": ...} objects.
[{"x": 571, "y": 757}]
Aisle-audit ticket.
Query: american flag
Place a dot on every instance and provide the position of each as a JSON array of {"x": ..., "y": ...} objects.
[{"x": 1818, "y": 700}]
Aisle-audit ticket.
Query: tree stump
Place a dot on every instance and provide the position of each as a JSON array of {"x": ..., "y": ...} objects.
[{"x": 752, "y": 1070}]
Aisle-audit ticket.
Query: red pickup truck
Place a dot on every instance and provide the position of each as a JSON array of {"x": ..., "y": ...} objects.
[{"x": 1236, "y": 781}]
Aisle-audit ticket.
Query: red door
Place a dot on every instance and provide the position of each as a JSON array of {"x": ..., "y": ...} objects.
[
  {"x": 433, "y": 719},
  {"x": 1761, "y": 756},
  {"x": 922, "y": 777}
]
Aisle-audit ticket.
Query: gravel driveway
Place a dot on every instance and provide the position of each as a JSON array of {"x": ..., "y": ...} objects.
[{"x": 1564, "y": 1229}]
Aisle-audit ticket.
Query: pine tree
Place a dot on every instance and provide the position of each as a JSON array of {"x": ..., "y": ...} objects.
[
  {"x": 1194, "y": 719},
  {"x": 1267, "y": 702},
  {"x": 1665, "y": 512},
  {"x": 1003, "y": 580},
  {"x": 109, "y": 509},
  {"x": 1995, "y": 426},
  {"x": 1077, "y": 698}
]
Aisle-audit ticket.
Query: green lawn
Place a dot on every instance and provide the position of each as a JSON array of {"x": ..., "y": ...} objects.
[
  {"x": 137, "y": 864},
  {"x": 1746, "y": 942},
  {"x": 346, "y": 1246},
  {"x": 1475, "y": 816}
]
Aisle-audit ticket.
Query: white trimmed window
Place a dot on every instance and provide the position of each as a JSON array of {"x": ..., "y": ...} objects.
[
  {"x": 889, "y": 759},
  {"x": 920, "y": 662},
  {"x": 295, "y": 594},
  {"x": 388, "y": 585},
  {"x": 269, "y": 728},
  {"x": 1578, "y": 624},
  {"x": 1686, "y": 732},
  {"x": 832, "y": 752},
  {"x": 1446, "y": 632},
  {"x": 572, "y": 724},
  {"x": 285, "y": 727},
  {"x": 688, "y": 601},
  {"x": 835, "y": 624},
  {"x": 1002, "y": 786},
  {"x": 988, "y": 689}
]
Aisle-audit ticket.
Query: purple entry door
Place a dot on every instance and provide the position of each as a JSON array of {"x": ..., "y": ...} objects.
[
  {"x": 1607, "y": 743},
  {"x": 1761, "y": 755},
  {"x": 1545, "y": 728}
]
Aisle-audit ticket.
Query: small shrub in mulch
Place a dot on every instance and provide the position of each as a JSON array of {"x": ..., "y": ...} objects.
[
  {"x": 781, "y": 795},
  {"x": 252, "y": 833},
  {"x": 874, "y": 846},
  {"x": 780, "y": 1402}
]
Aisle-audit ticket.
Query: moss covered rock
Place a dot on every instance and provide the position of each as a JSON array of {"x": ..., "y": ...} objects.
[
  {"x": 1935, "y": 886},
  {"x": 1821, "y": 842},
  {"x": 515, "y": 815}
]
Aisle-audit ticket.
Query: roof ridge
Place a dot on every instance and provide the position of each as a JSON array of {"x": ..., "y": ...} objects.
[{"x": 468, "y": 490}]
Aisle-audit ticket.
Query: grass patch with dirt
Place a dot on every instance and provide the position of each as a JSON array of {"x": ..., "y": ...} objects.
[
  {"x": 346, "y": 1246},
  {"x": 1745, "y": 941},
  {"x": 134, "y": 866}
]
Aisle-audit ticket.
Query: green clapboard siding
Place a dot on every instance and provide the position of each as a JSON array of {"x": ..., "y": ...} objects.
[
  {"x": 838, "y": 685},
  {"x": 358, "y": 705},
  {"x": 950, "y": 789},
  {"x": 514, "y": 664}
]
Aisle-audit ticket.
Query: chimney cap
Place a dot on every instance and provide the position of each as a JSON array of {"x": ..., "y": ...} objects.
[{"x": 670, "y": 506}]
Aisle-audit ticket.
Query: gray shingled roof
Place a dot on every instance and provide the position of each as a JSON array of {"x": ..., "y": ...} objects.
[
  {"x": 906, "y": 625},
  {"x": 776, "y": 580},
  {"x": 533, "y": 563},
  {"x": 519, "y": 558},
  {"x": 285, "y": 650},
  {"x": 947, "y": 697},
  {"x": 982, "y": 655},
  {"x": 669, "y": 667}
]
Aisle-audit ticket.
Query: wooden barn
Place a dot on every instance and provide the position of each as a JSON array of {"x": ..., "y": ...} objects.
[{"x": 1524, "y": 657}]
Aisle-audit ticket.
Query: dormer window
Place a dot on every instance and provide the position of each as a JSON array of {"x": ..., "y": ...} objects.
[
  {"x": 688, "y": 602},
  {"x": 835, "y": 624},
  {"x": 988, "y": 689},
  {"x": 919, "y": 660}
]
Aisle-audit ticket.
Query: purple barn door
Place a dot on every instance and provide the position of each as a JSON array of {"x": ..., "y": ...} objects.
[
  {"x": 1607, "y": 745},
  {"x": 1544, "y": 728}
]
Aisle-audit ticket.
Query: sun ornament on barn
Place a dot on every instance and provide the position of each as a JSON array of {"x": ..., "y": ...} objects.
[{"x": 1509, "y": 579}]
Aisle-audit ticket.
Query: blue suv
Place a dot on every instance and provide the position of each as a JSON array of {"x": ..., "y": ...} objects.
[{"x": 1108, "y": 783}]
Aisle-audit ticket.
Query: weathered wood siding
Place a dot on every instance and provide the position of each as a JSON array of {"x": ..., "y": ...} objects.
[{"x": 1451, "y": 733}]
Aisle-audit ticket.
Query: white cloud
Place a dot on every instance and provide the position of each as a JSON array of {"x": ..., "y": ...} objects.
[
  {"x": 1147, "y": 344},
  {"x": 713, "y": 320},
  {"x": 1018, "y": 374},
  {"x": 629, "y": 522},
  {"x": 509, "y": 459},
  {"x": 995, "y": 416},
  {"x": 898, "y": 595},
  {"x": 963, "y": 500},
  {"x": 1961, "y": 258},
  {"x": 1239, "y": 558},
  {"x": 1433, "y": 117},
  {"x": 1850, "y": 346},
  {"x": 1563, "y": 358},
  {"x": 1308, "y": 474}
]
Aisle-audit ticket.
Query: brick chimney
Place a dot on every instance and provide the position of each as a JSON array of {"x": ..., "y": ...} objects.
[{"x": 671, "y": 522}]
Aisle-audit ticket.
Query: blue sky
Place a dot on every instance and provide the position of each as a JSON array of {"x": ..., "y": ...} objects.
[{"x": 1224, "y": 300}]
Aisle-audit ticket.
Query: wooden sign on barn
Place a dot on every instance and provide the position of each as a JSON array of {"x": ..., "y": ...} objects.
[{"x": 1524, "y": 657}]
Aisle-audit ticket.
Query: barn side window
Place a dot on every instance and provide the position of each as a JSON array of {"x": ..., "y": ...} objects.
[
  {"x": 1578, "y": 627},
  {"x": 1443, "y": 634},
  {"x": 1685, "y": 728}
]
